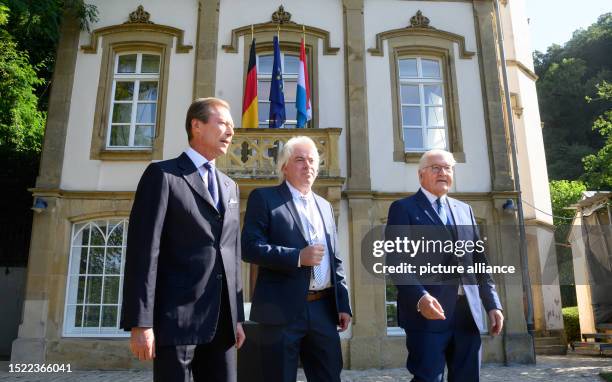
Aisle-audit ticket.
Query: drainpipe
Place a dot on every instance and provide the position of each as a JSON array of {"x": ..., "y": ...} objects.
[{"x": 517, "y": 184}]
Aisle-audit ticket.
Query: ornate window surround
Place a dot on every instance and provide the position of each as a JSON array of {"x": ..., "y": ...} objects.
[
  {"x": 420, "y": 39},
  {"x": 138, "y": 34}
]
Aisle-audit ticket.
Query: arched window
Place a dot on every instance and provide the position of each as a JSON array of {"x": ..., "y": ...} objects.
[{"x": 95, "y": 279}]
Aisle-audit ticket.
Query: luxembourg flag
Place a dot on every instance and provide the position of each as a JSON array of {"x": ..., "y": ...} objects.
[{"x": 302, "y": 97}]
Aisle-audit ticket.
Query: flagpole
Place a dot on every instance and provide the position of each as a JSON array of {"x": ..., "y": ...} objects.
[
  {"x": 252, "y": 32},
  {"x": 278, "y": 31}
]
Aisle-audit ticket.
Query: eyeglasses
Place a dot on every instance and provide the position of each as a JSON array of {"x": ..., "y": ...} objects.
[{"x": 436, "y": 169}]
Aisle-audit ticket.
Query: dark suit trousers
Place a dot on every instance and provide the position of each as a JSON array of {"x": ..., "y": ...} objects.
[
  {"x": 211, "y": 362},
  {"x": 312, "y": 336},
  {"x": 458, "y": 348}
]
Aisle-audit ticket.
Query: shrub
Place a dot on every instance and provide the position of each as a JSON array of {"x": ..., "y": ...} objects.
[{"x": 571, "y": 323}]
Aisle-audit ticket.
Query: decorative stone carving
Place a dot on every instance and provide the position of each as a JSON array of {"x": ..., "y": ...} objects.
[
  {"x": 139, "y": 16},
  {"x": 281, "y": 16},
  {"x": 419, "y": 21}
]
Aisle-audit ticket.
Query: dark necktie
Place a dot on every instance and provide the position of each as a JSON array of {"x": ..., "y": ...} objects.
[
  {"x": 212, "y": 183},
  {"x": 441, "y": 210}
]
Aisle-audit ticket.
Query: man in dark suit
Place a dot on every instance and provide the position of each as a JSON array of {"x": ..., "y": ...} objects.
[
  {"x": 300, "y": 295},
  {"x": 443, "y": 321},
  {"x": 182, "y": 292}
]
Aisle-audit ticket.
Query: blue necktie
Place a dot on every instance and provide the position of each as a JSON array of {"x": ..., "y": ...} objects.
[
  {"x": 442, "y": 212},
  {"x": 212, "y": 183}
]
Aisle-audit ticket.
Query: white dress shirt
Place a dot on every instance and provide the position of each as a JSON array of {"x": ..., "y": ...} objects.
[
  {"x": 319, "y": 228},
  {"x": 199, "y": 161}
]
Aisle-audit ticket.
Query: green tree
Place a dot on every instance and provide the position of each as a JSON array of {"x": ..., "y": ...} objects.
[
  {"x": 568, "y": 74},
  {"x": 598, "y": 166},
  {"x": 21, "y": 123},
  {"x": 564, "y": 193}
]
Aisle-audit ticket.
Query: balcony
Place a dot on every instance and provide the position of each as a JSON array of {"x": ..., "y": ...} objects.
[{"x": 252, "y": 154}]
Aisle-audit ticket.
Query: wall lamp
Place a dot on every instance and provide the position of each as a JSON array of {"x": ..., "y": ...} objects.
[
  {"x": 509, "y": 206},
  {"x": 40, "y": 205}
]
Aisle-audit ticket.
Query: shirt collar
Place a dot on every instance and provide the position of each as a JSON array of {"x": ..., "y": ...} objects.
[
  {"x": 431, "y": 197},
  {"x": 198, "y": 159},
  {"x": 296, "y": 193}
]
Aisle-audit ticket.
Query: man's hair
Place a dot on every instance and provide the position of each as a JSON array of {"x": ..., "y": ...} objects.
[
  {"x": 424, "y": 161},
  {"x": 287, "y": 150},
  {"x": 200, "y": 110}
]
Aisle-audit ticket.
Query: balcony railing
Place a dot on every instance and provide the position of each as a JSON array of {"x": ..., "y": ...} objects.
[{"x": 253, "y": 151}]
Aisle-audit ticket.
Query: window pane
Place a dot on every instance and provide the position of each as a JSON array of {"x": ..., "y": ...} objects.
[
  {"x": 124, "y": 90},
  {"x": 145, "y": 113},
  {"x": 120, "y": 135},
  {"x": 83, "y": 265},
  {"x": 122, "y": 112},
  {"x": 410, "y": 94},
  {"x": 413, "y": 139},
  {"x": 264, "y": 111},
  {"x": 94, "y": 290},
  {"x": 115, "y": 237},
  {"x": 97, "y": 234},
  {"x": 78, "y": 317},
  {"x": 143, "y": 136},
  {"x": 92, "y": 316},
  {"x": 147, "y": 91},
  {"x": 291, "y": 64},
  {"x": 109, "y": 316},
  {"x": 290, "y": 89},
  {"x": 433, "y": 94},
  {"x": 431, "y": 68},
  {"x": 263, "y": 89},
  {"x": 83, "y": 236},
  {"x": 81, "y": 290},
  {"x": 435, "y": 116},
  {"x": 127, "y": 63},
  {"x": 111, "y": 290},
  {"x": 96, "y": 261},
  {"x": 408, "y": 67},
  {"x": 436, "y": 139},
  {"x": 264, "y": 66},
  {"x": 411, "y": 115},
  {"x": 290, "y": 111},
  {"x": 150, "y": 63},
  {"x": 113, "y": 261}
]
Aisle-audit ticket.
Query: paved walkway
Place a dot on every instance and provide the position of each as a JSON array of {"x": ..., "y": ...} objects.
[{"x": 548, "y": 368}]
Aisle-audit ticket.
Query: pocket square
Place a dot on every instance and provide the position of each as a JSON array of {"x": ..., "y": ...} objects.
[{"x": 233, "y": 203}]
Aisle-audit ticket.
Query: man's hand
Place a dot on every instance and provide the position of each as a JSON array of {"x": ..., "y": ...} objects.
[
  {"x": 312, "y": 255},
  {"x": 142, "y": 343},
  {"x": 345, "y": 320},
  {"x": 240, "y": 336},
  {"x": 430, "y": 308},
  {"x": 496, "y": 318}
]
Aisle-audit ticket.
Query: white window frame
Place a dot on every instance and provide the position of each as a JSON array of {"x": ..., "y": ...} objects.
[
  {"x": 137, "y": 78},
  {"x": 421, "y": 81},
  {"x": 69, "y": 327},
  {"x": 264, "y": 99}
]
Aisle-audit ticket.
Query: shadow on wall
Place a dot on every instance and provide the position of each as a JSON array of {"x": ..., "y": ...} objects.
[{"x": 12, "y": 285}]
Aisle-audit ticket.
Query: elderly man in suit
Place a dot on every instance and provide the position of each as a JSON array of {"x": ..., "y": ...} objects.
[
  {"x": 182, "y": 293},
  {"x": 300, "y": 295},
  {"x": 443, "y": 321}
]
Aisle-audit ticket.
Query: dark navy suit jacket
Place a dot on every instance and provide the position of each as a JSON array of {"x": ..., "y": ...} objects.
[
  {"x": 180, "y": 249},
  {"x": 479, "y": 289},
  {"x": 272, "y": 238}
]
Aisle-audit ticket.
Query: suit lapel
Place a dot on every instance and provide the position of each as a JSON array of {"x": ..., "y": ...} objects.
[
  {"x": 423, "y": 202},
  {"x": 224, "y": 190},
  {"x": 288, "y": 199},
  {"x": 192, "y": 176},
  {"x": 326, "y": 223}
]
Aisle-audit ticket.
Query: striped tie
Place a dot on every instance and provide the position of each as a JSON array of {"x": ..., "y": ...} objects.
[{"x": 317, "y": 270}]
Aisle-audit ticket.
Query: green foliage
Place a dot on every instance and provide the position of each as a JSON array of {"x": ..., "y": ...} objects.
[
  {"x": 598, "y": 166},
  {"x": 568, "y": 75},
  {"x": 21, "y": 123},
  {"x": 564, "y": 193},
  {"x": 571, "y": 323}
]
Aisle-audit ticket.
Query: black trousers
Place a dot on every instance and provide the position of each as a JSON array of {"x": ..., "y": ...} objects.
[{"x": 210, "y": 362}]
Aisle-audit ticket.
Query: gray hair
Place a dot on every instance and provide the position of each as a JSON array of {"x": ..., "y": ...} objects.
[
  {"x": 424, "y": 161},
  {"x": 287, "y": 150}
]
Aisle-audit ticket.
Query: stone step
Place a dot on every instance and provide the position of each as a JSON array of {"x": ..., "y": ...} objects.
[
  {"x": 544, "y": 341},
  {"x": 551, "y": 350}
]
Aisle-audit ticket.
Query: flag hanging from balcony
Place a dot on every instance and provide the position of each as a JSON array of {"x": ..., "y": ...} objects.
[
  {"x": 302, "y": 97},
  {"x": 277, "y": 96},
  {"x": 250, "y": 117}
]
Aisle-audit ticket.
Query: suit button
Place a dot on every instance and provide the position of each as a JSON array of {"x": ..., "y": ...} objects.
[{"x": 219, "y": 277}]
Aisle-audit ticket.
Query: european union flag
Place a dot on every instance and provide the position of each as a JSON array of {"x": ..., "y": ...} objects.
[{"x": 277, "y": 96}]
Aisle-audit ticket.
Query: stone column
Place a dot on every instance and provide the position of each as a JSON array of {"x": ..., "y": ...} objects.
[{"x": 206, "y": 49}]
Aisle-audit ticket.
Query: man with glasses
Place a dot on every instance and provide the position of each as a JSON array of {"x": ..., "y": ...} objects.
[
  {"x": 443, "y": 320},
  {"x": 300, "y": 296}
]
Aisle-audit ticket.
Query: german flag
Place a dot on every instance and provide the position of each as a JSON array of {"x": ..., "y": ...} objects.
[{"x": 250, "y": 115}]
